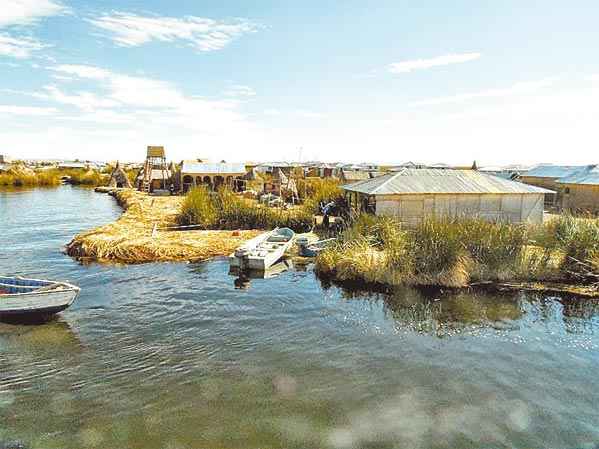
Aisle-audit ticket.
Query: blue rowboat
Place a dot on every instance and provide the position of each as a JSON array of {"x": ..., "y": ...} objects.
[{"x": 21, "y": 296}]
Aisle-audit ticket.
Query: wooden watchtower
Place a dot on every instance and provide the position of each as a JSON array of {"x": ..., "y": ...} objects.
[{"x": 155, "y": 169}]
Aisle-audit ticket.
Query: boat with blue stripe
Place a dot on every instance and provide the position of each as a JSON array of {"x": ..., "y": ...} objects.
[{"x": 22, "y": 296}]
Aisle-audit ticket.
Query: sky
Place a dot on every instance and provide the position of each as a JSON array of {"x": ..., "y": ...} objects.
[{"x": 386, "y": 81}]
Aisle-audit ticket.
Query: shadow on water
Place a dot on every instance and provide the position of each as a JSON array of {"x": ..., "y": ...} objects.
[
  {"x": 53, "y": 334},
  {"x": 243, "y": 278}
]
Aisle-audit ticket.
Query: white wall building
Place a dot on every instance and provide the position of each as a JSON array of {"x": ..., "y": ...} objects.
[{"x": 412, "y": 195}]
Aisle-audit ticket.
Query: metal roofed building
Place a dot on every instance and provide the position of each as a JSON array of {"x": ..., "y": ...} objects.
[
  {"x": 580, "y": 190},
  {"x": 210, "y": 174},
  {"x": 415, "y": 194},
  {"x": 547, "y": 176}
]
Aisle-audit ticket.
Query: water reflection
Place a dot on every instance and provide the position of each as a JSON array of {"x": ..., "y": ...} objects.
[
  {"x": 54, "y": 334},
  {"x": 445, "y": 313},
  {"x": 243, "y": 278}
]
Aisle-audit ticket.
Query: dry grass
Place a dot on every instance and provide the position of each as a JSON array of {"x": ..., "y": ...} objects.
[
  {"x": 20, "y": 176},
  {"x": 456, "y": 253},
  {"x": 130, "y": 240}
]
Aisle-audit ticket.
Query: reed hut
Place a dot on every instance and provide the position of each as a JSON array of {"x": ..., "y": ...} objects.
[
  {"x": 119, "y": 179},
  {"x": 412, "y": 195}
]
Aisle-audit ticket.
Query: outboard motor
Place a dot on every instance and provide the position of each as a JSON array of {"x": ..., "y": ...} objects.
[{"x": 302, "y": 242}]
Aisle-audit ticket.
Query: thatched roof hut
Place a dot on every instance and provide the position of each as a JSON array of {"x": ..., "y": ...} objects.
[{"x": 119, "y": 178}]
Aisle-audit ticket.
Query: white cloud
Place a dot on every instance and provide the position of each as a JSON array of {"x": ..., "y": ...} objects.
[
  {"x": 27, "y": 12},
  {"x": 239, "y": 90},
  {"x": 151, "y": 101},
  {"x": 272, "y": 112},
  {"x": 309, "y": 114},
  {"x": 18, "y": 13},
  {"x": 18, "y": 47},
  {"x": 27, "y": 110},
  {"x": 419, "y": 64},
  {"x": 130, "y": 30},
  {"x": 523, "y": 88},
  {"x": 82, "y": 71},
  {"x": 86, "y": 101}
]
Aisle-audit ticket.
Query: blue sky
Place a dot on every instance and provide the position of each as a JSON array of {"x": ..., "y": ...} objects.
[{"x": 387, "y": 81}]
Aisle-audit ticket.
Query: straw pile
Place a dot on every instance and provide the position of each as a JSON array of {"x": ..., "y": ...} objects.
[{"x": 130, "y": 239}]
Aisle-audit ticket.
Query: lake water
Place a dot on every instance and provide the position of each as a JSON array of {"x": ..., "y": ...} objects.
[{"x": 171, "y": 356}]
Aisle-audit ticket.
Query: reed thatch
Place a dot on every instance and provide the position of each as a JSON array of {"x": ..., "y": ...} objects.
[
  {"x": 119, "y": 178},
  {"x": 131, "y": 238}
]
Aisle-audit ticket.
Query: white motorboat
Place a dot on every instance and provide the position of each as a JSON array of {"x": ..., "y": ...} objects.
[
  {"x": 263, "y": 251},
  {"x": 21, "y": 296}
]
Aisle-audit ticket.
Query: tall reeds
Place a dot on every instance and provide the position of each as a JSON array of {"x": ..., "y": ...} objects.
[
  {"x": 313, "y": 192},
  {"x": 22, "y": 177},
  {"x": 225, "y": 210},
  {"x": 90, "y": 178},
  {"x": 455, "y": 252}
]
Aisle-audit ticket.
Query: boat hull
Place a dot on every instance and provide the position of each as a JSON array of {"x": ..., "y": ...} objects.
[
  {"x": 42, "y": 303},
  {"x": 263, "y": 251}
]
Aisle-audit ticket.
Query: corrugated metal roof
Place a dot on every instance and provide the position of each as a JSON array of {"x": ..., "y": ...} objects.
[
  {"x": 421, "y": 180},
  {"x": 552, "y": 171},
  {"x": 192, "y": 167},
  {"x": 588, "y": 175}
]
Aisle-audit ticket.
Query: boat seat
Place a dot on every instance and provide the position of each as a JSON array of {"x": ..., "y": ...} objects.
[{"x": 278, "y": 239}]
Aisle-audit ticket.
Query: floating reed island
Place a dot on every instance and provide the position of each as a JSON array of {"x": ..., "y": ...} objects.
[
  {"x": 141, "y": 234},
  {"x": 560, "y": 255},
  {"x": 194, "y": 227}
]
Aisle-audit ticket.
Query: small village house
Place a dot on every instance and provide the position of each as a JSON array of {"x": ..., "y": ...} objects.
[
  {"x": 352, "y": 176},
  {"x": 412, "y": 195},
  {"x": 271, "y": 167},
  {"x": 212, "y": 175},
  {"x": 547, "y": 177},
  {"x": 282, "y": 185},
  {"x": 580, "y": 190}
]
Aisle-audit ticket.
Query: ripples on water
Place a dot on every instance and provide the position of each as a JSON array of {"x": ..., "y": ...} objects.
[{"x": 174, "y": 356}]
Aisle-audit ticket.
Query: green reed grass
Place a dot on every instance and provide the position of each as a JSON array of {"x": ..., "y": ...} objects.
[
  {"x": 90, "y": 178},
  {"x": 16, "y": 177},
  {"x": 456, "y": 252},
  {"x": 226, "y": 210},
  {"x": 315, "y": 191}
]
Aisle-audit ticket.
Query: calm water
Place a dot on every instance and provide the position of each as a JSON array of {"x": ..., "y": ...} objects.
[{"x": 173, "y": 356}]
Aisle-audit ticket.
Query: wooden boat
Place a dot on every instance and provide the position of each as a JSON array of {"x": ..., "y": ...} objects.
[
  {"x": 20, "y": 296},
  {"x": 263, "y": 251},
  {"x": 312, "y": 249}
]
